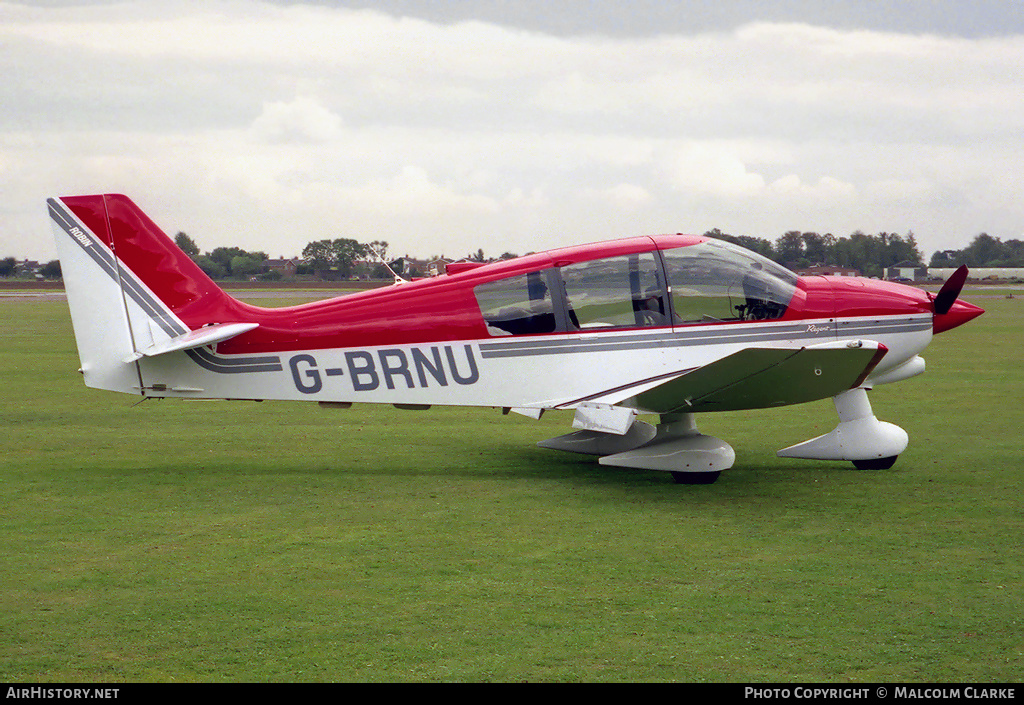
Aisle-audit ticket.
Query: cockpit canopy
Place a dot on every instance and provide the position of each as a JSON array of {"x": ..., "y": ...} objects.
[
  {"x": 717, "y": 281},
  {"x": 710, "y": 282}
]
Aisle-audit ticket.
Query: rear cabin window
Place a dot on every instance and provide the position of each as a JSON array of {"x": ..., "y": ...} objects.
[
  {"x": 519, "y": 305},
  {"x": 615, "y": 292},
  {"x": 716, "y": 281}
]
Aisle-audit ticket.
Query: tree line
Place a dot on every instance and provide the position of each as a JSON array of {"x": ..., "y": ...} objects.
[
  {"x": 869, "y": 254},
  {"x": 50, "y": 270},
  {"x": 335, "y": 258},
  {"x": 984, "y": 251},
  {"x": 330, "y": 259},
  {"x": 223, "y": 262}
]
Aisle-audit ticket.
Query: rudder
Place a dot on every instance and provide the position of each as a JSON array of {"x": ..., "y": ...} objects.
[{"x": 129, "y": 287}]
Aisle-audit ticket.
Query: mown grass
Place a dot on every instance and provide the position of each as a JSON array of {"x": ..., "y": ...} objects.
[{"x": 236, "y": 541}]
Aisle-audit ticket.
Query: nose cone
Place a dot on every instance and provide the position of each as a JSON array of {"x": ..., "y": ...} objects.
[{"x": 959, "y": 313}]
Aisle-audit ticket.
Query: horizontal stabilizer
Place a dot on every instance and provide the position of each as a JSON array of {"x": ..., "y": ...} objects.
[{"x": 207, "y": 335}]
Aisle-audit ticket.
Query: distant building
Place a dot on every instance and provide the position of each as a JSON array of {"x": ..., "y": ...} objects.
[
  {"x": 285, "y": 266},
  {"x": 27, "y": 266},
  {"x": 363, "y": 268},
  {"x": 906, "y": 271},
  {"x": 437, "y": 266},
  {"x": 414, "y": 267},
  {"x": 979, "y": 272},
  {"x": 826, "y": 270}
]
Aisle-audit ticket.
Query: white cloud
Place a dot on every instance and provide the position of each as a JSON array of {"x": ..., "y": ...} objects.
[
  {"x": 412, "y": 192},
  {"x": 626, "y": 196},
  {"x": 711, "y": 170},
  {"x": 826, "y": 191},
  {"x": 303, "y": 119},
  {"x": 252, "y": 122},
  {"x": 900, "y": 191}
]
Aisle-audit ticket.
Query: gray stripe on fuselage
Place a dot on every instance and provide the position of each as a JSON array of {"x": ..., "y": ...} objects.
[
  {"x": 225, "y": 365},
  {"x": 715, "y": 335},
  {"x": 899, "y": 325},
  {"x": 706, "y": 336}
]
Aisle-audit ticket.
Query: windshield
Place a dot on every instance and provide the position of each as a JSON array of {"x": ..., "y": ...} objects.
[{"x": 718, "y": 281}]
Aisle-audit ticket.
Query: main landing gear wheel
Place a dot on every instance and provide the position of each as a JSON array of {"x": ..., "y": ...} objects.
[
  {"x": 875, "y": 463},
  {"x": 695, "y": 478}
]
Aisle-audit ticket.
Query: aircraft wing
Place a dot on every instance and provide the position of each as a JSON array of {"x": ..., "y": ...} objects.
[{"x": 754, "y": 378}]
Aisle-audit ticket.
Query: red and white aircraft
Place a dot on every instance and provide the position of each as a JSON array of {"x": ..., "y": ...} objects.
[{"x": 672, "y": 325}]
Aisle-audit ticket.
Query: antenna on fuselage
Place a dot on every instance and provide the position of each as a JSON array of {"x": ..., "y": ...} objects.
[{"x": 377, "y": 254}]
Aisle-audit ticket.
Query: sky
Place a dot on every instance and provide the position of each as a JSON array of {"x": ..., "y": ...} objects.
[{"x": 448, "y": 126}]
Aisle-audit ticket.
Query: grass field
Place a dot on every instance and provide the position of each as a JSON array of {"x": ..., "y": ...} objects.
[{"x": 236, "y": 541}]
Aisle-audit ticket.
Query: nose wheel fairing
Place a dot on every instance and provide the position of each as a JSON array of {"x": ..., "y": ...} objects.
[{"x": 859, "y": 437}]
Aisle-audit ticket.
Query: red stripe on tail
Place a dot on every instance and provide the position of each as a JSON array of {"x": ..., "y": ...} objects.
[{"x": 153, "y": 257}]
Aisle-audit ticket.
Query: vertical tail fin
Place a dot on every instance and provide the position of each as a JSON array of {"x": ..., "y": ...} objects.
[{"x": 129, "y": 287}]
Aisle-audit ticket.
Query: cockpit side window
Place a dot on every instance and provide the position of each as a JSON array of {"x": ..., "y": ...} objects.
[
  {"x": 615, "y": 292},
  {"x": 520, "y": 305},
  {"x": 716, "y": 281}
]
